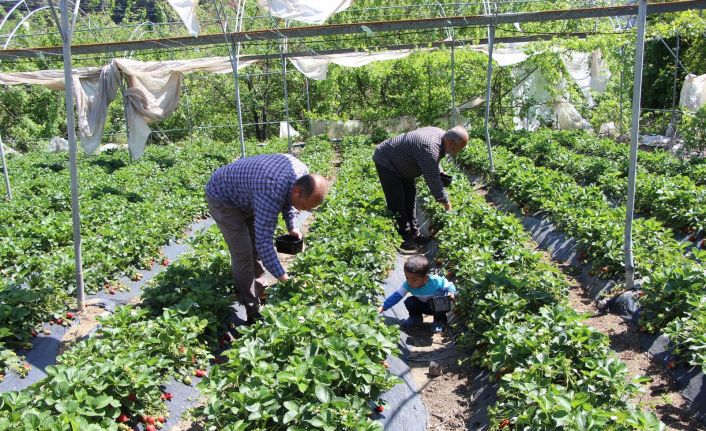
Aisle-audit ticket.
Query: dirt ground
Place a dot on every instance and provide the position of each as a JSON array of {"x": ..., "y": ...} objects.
[
  {"x": 447, "y": 397},
  {"x": 86, "y": 320}
]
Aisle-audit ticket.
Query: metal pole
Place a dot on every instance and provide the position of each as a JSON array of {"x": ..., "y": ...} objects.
[
  {"x": 286, "y": 97},
  {"x": 453, "y": 82},
  {"x": 234, "y": 53},
  {"x": 188, "y": 110},
  {"x": 622, "y": 69},
  {"x": 634, "y": 131},
  {"x": 491, "y": 40},
  {"x": 673, "y": 121},
  {"x": 71, "y": 129},
  {"x": 306, "y": 86},
  {"x": 4, "y": 171},
  {"x": 239, "y": 108}
]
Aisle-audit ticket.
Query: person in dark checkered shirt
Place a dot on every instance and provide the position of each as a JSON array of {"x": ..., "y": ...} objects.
[
  {"x": 245, "y": 199},
  {"x": 401, "y": 159}
]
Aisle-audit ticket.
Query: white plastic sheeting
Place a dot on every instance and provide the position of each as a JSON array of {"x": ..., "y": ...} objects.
[
  {"x": 152, "y": 93},
  {"x": 283, "y": 125},
  {"x": 568, "y": 118},
  {"x": 693, "y": 93},
  {"x": 588, "y": 70},
  {"x": 311, "y": 11},
  {"x": 506, "y": 56},
  {"x": 316, "y": 66},
  {"x": 186, "y": 9}
]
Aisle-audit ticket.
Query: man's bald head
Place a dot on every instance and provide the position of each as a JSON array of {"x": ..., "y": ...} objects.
[
  {"x": 455, "y": 139},
  {"x": 309, "y": 191}
]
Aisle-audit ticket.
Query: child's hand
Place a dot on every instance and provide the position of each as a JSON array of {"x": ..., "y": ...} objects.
[{"x": 380, "y": 309}]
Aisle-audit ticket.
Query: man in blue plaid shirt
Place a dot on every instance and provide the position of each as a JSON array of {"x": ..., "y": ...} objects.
[{"x": 245, "y": 199}]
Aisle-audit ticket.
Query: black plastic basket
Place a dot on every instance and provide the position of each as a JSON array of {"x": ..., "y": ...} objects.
[
  {"x": 446, "y": 179},
  {"x": 440, "y": 304},
  {"x": 289, "y": 244}
]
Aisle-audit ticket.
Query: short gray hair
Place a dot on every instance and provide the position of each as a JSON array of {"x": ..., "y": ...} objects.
[{"x": 456, "y": 134}]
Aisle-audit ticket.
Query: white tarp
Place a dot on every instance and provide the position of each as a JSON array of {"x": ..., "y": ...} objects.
[
  {"x": 588, "y": 70},
  {"x": 568, "y": 118},
  {"x": 152, "y": 93},
  {"x": 316, "y": 66},
  {"x": 311, "y": 11},
  {"x": 693, "y": 93},
  {"x": 506, "y": 56},
  {"x": 283, "y": 125},
  {"x": 186, "y": 9}
]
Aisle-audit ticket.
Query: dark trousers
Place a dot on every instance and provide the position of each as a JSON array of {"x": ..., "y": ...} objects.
[
  {"x": 417, "y": 308},
  {"x": 401, "y": 198},
  {"x": 238, "y": 230}
]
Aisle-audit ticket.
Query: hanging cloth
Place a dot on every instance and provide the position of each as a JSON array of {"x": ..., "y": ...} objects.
[{"x": 309, "y": 11}]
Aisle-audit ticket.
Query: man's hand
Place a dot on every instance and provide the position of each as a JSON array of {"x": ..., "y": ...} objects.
[
  {"x": 296, "y": 233},
  {"x": 447, "y": 205},
  {"x": 380, "y": 309},
  {"x": 283, "y": 278}
]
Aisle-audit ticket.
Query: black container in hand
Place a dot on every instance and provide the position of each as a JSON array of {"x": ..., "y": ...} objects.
[
  {"x": 446, "y": 179},
  {"x": 289, "y": 244}
]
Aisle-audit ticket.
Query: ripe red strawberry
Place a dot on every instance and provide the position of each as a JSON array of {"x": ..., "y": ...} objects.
[
  {"x": 69, "y": 315},
  {"x": 59, "y": 321},
  {"x": 199, "y": 373},
  {"x": 166, "y": 396},
  {"x": 450, "y": 274},
  {"x": 150, "y": 428},
  {"x": 380, "y": 408},
  {"x": 161, "y": 419},
  {"x": 34, "y": 333},
  {"x": 149, "y": 420},
  {"x": 504, "y": 423},
  {"x": 132, "y": 397},
  {"x": 26, "y": 366},
  {"x": 671, "y": 364},
  {"x": 165, "y": 261},
  {"x": 123, "y": 418}
]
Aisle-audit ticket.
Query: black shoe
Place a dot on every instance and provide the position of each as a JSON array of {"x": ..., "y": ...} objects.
[
  {"x": 409, "y": 244},
  {"x": 422, "y": 239},
  {"x": 253, "y": 318}
]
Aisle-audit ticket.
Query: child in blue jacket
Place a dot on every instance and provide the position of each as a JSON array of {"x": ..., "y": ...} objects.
[{"x": 423, "y": 287}]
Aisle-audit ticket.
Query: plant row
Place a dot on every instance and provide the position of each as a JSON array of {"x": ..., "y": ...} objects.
[
  {"x": 672, "y": 283},
  {"x": 657, "y": 161},
  {"x": 554, "y": 371},
  {"x": 316, "y": 360},
  {"x": 115, "y": 379},
  {"x": 673, "y": 199}
]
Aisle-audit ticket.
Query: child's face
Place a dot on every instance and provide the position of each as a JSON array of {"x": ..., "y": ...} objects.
[{"x": 415, "y": 281}]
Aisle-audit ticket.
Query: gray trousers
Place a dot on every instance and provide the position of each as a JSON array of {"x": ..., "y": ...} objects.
[{"x": 238, "y": 229}]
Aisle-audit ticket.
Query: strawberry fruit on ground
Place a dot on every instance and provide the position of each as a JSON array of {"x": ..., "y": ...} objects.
[
  {"x": 380, "y": 408},
  {"x": 199, "y": 373},
  {"x": 123, "y": 418}
]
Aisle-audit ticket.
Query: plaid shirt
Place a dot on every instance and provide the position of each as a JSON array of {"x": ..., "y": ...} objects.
[
  {"x": 261, "y": 185},
  {"x": 413, "y": 154}
]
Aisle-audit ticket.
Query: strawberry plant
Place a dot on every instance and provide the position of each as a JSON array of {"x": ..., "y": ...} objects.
[{"x": 512, "y": 314}]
